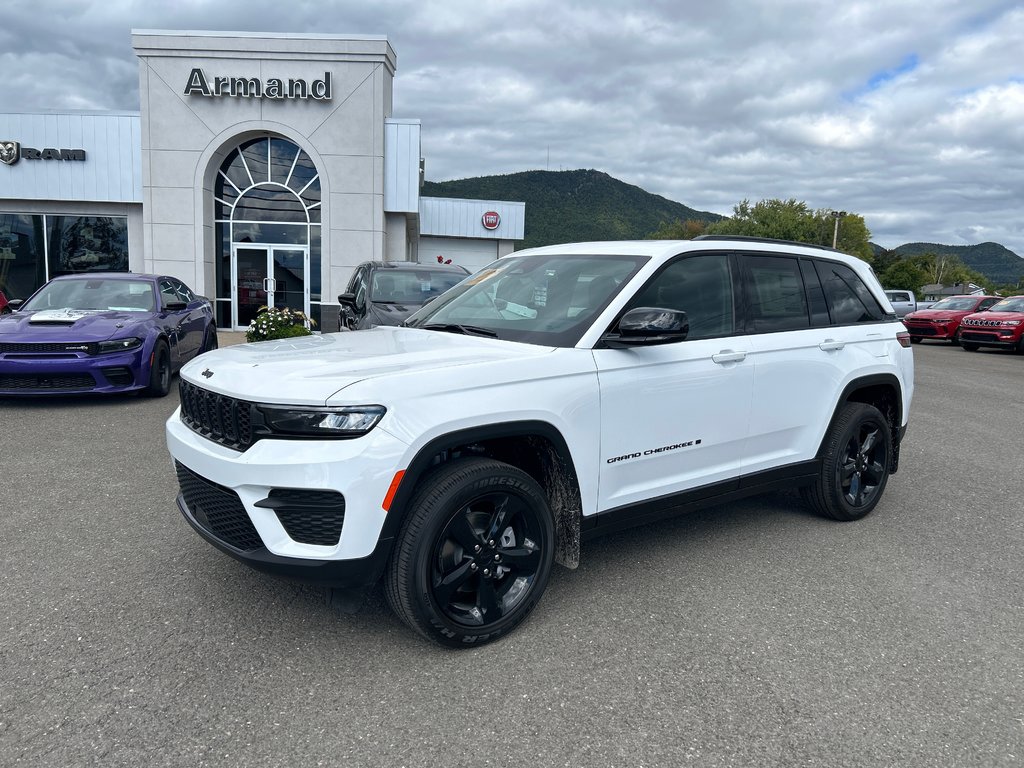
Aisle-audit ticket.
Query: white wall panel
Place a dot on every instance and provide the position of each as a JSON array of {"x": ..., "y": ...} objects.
[{"x": 111, "y": 171}]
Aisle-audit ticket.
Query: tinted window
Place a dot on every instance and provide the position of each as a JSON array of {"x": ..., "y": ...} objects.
[
  {"x": 849, "y": 300},
  {"x": 987, "y": 303},
  {"x": 700, "y": 286},
  {"x": 775, "y": 293},
  {"x": 815, "y": 296}
]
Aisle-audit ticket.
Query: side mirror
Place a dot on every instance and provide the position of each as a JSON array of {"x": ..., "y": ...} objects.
[
  {"x": 15, "y": 304},
  {"x": 347, "y": 298},
  {"x": 648, "y": 326}
]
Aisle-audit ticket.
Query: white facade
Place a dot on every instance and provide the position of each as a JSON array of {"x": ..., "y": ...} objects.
[{"x": 260, "y": 169}]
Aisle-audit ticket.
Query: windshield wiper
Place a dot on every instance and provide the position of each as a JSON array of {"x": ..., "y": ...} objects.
[{"x": 469, "y": 330}]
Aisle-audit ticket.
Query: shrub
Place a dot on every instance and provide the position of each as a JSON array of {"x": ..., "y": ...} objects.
[{"x": 278, "y": 323}]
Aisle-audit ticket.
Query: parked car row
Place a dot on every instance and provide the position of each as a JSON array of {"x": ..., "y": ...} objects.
[{"x": 971, "y": 322}]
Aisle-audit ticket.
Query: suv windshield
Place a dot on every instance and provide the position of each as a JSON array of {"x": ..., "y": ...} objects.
[
  {"x": 955, "y": 304},
  {"x": 1012, "y": 304},
  {"x": 411, "y": 286},
  {"x": 548, "y": 299}
]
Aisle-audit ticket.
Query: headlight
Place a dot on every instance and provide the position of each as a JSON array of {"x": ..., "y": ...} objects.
[
  {"x": 943, "y": 321},
  {"x": 119, "y": 345},
  {"x": 348, "y": 421}
]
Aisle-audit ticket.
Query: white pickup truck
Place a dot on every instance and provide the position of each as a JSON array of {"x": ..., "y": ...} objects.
[{"x": 905, "y": 302}]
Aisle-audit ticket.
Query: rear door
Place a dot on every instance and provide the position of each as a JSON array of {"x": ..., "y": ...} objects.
[{"x": 811, "y": 322}]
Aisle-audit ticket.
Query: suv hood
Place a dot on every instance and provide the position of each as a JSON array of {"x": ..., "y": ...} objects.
[
  {"x": 311, "y": 369},
  {"x": 55, "y": 325}
]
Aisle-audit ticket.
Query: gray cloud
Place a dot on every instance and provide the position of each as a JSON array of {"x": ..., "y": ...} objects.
[{"x": 909, "y": 113}]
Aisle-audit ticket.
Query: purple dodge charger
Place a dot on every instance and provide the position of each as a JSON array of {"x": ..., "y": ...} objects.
[{"x": 103, "y": 332}]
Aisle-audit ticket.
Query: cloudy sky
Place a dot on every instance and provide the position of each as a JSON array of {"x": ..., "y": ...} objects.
[{"x": 907, "y": 112}]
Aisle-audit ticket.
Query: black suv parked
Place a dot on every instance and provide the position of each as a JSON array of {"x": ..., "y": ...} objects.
[{"x": 385, "y": 293}]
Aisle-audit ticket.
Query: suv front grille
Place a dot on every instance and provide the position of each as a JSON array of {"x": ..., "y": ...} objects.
[
  {"x": 218, "y": 510},
  {"x": 220, "y": 418}
]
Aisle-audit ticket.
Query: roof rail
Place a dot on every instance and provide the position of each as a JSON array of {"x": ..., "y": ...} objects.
[{"x": 749, "y": 239}]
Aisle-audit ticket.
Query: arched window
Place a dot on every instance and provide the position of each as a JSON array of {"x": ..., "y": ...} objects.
[{"x": 267, "y": 191}]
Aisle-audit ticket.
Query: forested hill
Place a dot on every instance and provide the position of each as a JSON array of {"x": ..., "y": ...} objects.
[
  {"x": 998, "y": 263},
  {"x": 573, "y": 206}
]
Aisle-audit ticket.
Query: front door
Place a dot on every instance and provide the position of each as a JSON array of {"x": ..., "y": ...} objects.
[{"x": 268, "y": 276}]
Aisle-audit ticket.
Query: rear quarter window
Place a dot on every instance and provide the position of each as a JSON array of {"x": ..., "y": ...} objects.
[{"x": 849, "y": 300}]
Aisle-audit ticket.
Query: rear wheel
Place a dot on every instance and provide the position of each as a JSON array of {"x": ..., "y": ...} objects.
[
  {"x": 854, "y": 466},
  {"x": 159, "y": 371},
  {"x": 474, "y": 555}
]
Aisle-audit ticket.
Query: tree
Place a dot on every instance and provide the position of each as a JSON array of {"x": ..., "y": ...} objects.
[
  {"x": 679, "y": 230},
  {"x": 947, "y": 269},
  {"x": 794, "y": 220},
  {"x": 904, "y": 275}
]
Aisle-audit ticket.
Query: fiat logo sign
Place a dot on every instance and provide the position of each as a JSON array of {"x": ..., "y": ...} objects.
[{"x": 491, "y": 220}]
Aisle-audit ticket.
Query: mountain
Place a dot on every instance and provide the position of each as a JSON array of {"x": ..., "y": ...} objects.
[
  {"x": 996, "y": 262},
  {"x": 573, "y": 206}
]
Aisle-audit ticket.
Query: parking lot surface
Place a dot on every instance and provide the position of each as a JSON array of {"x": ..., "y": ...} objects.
[{"x": 749, "y": 635}]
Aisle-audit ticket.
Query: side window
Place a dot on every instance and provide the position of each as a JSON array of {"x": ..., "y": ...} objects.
[
  {"x": 700, "y": 286},
  {"x": 986, "y": 304},
  {"x": 849, "y": 300},
  {"x": 183, "y": 290},
  {"x": 775, "y": 293},
  {"x": 815, "y": 296},
  {"x": 354, "y": 280},
  {"x": 167, "y": 293}
]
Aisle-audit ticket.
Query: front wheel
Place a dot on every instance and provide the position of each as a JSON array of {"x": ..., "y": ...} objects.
[
  {"x": 915, "y": 339},
  {"x": 159, "y": 371},
  {"x": 854, "y": 466},
  {"x": 966, "y": 346},
  {"x": 474, "y": 554},
  {"x": 210, "y": 340}
]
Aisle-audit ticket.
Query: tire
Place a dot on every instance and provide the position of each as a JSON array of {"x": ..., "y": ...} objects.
[
  {"x": 478, "y": 539},
  {"x": 955, "y": 340},
  {"x": 210, "y": 340},
  {"x": 159, "y": 371},
  {"x": 915, "y": 339},
  {"x": 967, "y": 346},
  {"x": 854, "y": 466}
]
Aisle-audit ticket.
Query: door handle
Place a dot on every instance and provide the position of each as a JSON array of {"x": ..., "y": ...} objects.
[
  {"x": 829, "y": 345},
  {"x": 728, "y": 356}
]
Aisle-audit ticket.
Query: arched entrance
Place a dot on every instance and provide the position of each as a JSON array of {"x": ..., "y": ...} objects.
[{"x": 267, "y": 214}]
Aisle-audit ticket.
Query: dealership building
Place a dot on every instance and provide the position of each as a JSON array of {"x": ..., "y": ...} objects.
[{"x": 259, "y": 169}]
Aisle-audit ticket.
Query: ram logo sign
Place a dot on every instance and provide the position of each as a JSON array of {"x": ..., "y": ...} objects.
[{"x": 12, "y": 151}]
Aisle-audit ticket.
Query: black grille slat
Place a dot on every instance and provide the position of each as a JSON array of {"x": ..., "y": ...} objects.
[
  {"x": 225, "y": 420},
  {"x": 308, "y": 517},
  {"x": 47, "y": 348},
  {"x": 65, "y": 382},
  {"x": 218, "y": 510}
]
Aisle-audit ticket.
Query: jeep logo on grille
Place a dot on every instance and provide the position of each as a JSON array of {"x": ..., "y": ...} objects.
[{"x": 206, "y": 374}]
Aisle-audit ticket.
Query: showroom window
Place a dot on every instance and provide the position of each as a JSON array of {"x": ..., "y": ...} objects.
[{"x": 37, "y": 247}]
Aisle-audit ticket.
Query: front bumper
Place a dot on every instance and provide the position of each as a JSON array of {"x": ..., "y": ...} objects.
[
  {"x": 240, "y": 488},
  {"x": 989, "y": 338},
  {"x": 82, "y": 374}
]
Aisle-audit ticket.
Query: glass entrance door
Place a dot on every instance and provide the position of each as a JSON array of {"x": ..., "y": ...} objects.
[{"x": 268, "y": 276}]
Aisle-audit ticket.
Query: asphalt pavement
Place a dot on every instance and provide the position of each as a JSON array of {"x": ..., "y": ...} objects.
[{"x": 749, "y": 635}]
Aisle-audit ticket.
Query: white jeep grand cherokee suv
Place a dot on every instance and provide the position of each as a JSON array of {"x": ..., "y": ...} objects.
[{"x": 558, "y": 394}]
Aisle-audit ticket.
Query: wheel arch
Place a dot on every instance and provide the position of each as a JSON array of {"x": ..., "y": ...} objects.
[
  {"x": 883, "y": 391},
  {"x": 536, "y": 447}
]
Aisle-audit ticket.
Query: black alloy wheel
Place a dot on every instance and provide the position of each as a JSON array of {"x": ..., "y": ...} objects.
[
  {"x": 210, "y": 340},
  {"x": 159, "y": 371},
  {"x": 475, "y": 554},
  {"x": 855, "y": 464}
]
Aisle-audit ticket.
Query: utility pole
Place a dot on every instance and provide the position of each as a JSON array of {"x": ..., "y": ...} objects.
[{"x": 835, "y": 232}]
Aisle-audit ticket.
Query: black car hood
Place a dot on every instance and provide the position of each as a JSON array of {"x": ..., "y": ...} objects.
[{"x": 390, "y": 314}]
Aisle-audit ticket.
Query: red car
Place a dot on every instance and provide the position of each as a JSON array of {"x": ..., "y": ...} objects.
[
  {"x": 942, "y": 319},
  {"x": 1001, "y": 326},
  {"x": 4, "y": 305}
]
